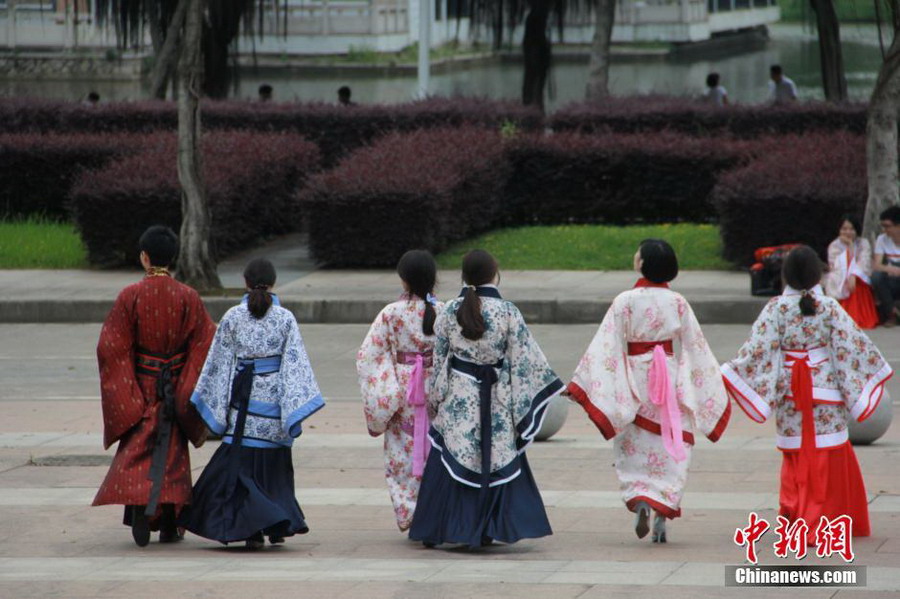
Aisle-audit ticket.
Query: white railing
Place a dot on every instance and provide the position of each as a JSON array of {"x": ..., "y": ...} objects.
[{"x": 344, "y": 17}]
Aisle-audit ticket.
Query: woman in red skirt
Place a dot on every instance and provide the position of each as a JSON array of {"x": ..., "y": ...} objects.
[
  {"x": 811, "y": 369},
  {"x": 850, "y": 265}
]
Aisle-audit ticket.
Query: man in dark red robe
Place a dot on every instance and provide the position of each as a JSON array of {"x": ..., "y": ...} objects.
[{"x": 151, "y": 351}]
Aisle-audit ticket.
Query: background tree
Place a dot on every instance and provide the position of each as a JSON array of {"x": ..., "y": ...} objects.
[
  {"x": 834, "y": 83},
  {"x": 598, "y": 69},
  {"x": 881, "y": 127},
  {"x": 503, "y": 17},
  {"x": 198, "y": 35}
]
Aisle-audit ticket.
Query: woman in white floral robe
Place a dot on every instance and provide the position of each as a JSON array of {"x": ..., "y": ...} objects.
[
  {"x": 477, "y": 485},
  {"x": 386, "y": 365},
  {"x": 842, "y": 377},
  {"x": 649, "y": 326}
]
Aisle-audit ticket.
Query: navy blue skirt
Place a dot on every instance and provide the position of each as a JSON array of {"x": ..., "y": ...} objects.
[
  {"x": 233, "y": 503},
  {"x": 450, "y": 512}
]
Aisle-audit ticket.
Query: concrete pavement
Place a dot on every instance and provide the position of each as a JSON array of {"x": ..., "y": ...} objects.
[
  {"x": 52, "y": 544},
  {"x": 349, "y": 296}
]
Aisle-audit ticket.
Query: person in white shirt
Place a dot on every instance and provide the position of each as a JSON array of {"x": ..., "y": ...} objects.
[
  {"x": 715, "y": 93},
  {"x": 781, "y": 89},
  {"x": 886, "y": 266}
]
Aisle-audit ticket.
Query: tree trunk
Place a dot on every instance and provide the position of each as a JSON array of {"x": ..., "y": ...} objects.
[
  {"x": 196, "y": 264},
  {"x": 833, "y": 81},
  {"x": 598, "y": 69},
  {"x": 881, "y": 134},
  {"x": 536, "y": 51},
  {"x": 167, "y": 56}
]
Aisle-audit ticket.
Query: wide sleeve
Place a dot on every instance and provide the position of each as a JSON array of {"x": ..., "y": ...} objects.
[
  {"x": 377, "y": 374},
  {"x": 533, "y": 383},
  {"x": 212, "y": 394},
  {"x": 301, "y": 395},
  {"x": 860, "y": 369},
  {"x": 751, "y": 379},
  {"x": 440, "y": 374},
  {"x": 121, "y": 397},
  {"x": 699, "y": 385},
  {"x": 864, "y": 257},
  {"x": 833, "y": 281},
  {"x": 201, "y": 330},
  {"x": 601, "y": 380}
]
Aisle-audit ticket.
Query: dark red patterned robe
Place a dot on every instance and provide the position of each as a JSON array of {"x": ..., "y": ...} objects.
[{"x": 161, "y": 316}]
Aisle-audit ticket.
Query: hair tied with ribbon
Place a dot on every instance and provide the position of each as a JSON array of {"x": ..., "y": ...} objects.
[
  {"x": 431, "y": 299},
  {"x": 260, "y": 287},
  {"x": 472, "y": 287}
]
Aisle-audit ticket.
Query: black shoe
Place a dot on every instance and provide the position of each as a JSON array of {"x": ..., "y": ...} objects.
[
  {"x": 168, "y": 530},
  {"x": 140, "y": 526},
  {"x": 486, "y": 541},
  {"x": 275, "y": 540},
  {"x": 641, "y": 521},
  {"x": 255, "y": 542}
]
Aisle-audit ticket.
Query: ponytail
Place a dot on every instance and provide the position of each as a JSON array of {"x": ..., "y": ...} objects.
[
  {"x": 478, "y": 268},
  {"x": 428, "y": 319},
  {"x": 469, "y": 316},
  {"x": 259, "y": 301},
  {"x": 808, "y": 304},
  {"x": 418, "y": 270},
  {"x": 259, "y": 276},
  {"x": 802, "y": 270}
]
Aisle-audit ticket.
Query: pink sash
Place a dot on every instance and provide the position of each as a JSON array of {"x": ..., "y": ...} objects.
[
  {"x": 662, "y": 394},
  {"x": 415, "y": 395}
]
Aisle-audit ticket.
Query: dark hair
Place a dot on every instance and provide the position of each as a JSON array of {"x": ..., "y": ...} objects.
[
  {"x": 712, "y": 80},
  {"x": 478, "y": 268},
  {"x": 892, "y": 214},
  {"x": 93, "y": 97},
  {"x": 259, "y": 277},
  {"x": 418, "y": 270},
  {"x": 802, "y": 270},
  {"x": 853, "y": 220},
  {"x": 659, "y": 262},
  {"x": 775, "y": 69},
  {"x": 265, "y": 89},
  {"x": 161, "y": 245},
  {"x": 344, "y": 92}
]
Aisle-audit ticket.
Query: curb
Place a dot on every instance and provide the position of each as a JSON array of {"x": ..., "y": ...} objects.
[{"x": 323, "y": 311}]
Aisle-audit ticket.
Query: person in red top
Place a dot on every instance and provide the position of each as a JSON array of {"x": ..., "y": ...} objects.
[{"x": 152, "y": 347}]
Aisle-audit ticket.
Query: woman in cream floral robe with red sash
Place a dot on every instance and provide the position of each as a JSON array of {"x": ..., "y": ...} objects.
[{"x": 612, "y": 380}]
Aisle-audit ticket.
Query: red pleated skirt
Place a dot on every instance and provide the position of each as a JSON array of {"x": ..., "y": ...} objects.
[
  {"x": 861, "y": 305},
  {"x": 834, "y": 487}
]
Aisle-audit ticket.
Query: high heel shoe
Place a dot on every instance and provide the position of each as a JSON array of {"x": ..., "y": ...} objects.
[
  {"x": 659, "y": 529},
  {"x": 641, "y": 520}
]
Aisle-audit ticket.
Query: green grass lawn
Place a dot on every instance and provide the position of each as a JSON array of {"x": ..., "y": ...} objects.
[
  {"x": 40, "y": 243},
  {"x": 590, "y": 247}
]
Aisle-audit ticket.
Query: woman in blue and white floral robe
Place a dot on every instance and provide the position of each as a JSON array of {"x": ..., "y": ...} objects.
[
  {"x": 255, "y": 390},
  {"x": 469, "y": 495}
]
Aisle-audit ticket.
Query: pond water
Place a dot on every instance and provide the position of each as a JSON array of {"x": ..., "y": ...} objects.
[{"x": 744, "y": 74}]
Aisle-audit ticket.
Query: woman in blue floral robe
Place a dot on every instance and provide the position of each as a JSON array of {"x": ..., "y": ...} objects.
[{"x": 477, "y": 486}]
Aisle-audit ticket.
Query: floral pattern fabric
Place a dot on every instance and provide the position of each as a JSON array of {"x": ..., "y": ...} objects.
[
  {"x": 384, "y": 384},
  {"x": 848, "y": 371},
  {"x": 612, "y": 386},
  {"x": 279, "y": 401},
  {"x": 840, "y": 268},
  {"x": 519, "y": 398}
]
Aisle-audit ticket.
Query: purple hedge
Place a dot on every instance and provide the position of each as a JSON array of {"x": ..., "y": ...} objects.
[
  {"x": 336, "y": 129},
  {"x": 640, "y": 178},
  {"x": 634, "y": 114},
  {"x": 795, "y": 192},
  {"x": 417, "y": 190},
  {"x": 37, "y": 171},
  {"x": 251, "y": 178}
]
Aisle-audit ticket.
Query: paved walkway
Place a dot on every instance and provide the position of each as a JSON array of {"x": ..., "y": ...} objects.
[
  {"x": 356, "y": 296},
  {"x": 52, "y": 544}
]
